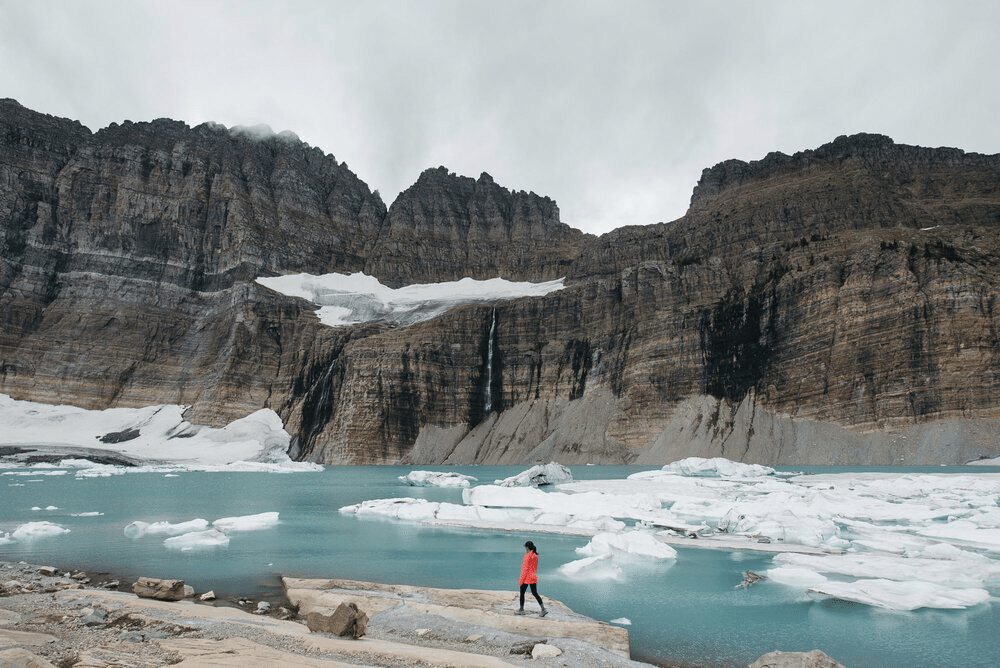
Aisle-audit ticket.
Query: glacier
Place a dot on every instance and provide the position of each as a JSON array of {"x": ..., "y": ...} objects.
[{"x": 350, "y": 299}]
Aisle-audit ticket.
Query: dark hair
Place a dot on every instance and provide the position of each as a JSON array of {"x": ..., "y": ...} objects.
[{"x": 531, "y": 546}]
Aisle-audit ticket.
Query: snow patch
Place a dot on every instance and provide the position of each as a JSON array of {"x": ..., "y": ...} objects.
[{"x": 349, "y": 299}]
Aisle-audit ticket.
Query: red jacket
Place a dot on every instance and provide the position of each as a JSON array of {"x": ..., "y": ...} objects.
[{"x": 529, "y": 567}]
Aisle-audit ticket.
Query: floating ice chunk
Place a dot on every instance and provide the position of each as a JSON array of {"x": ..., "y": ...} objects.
[
  {"x": 139, "y": 529},
  {"x": 197, "y": 540},
  {"x": 902, "y": 595},
  {"x": 92, "y": 513},
  {"x": 967, "y": 570},
  {"x": 633, "y": 542},
  {"x": 717, "y": 467},
  {"x": 599, "y": 566},
  {"x": 247, "y": 522},
  {"x": 436, "y": 479},
  {"x": 796, "y": 576},
  {"x": 624, "y": 621},
  {"x": 552, "y": 473},
  {"x": 34, "y": 530},
  {"x": 405, "y": 508}
]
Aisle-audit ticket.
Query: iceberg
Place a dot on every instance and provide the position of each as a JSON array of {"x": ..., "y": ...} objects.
[
  {"x": 541, "y": 474},
  {"x": 435, "y": 479},
  {"x": 34, "y": 530},
  {"x": 633, "y": 542},
  {"x": 139, "y": 529},
  {"x": 717, "y": 467}
]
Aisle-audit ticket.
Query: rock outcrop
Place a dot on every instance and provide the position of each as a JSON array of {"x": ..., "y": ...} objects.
[{"x": 833, "y": 306}]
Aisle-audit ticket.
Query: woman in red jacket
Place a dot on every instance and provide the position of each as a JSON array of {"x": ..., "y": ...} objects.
[{"x": 529, "y": 569}]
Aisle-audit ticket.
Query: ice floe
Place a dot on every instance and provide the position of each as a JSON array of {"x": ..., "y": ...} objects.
[
  {"x": 140, "y": 529},
  {"x": 895, "y": 540},
  {"x": 198, "y": 540},
  {"x": 247, "y": 522},
  {"x": 436, "y": 479},
  {"x": 154, "y": 438},
  {"x": 347, "y": 299}
]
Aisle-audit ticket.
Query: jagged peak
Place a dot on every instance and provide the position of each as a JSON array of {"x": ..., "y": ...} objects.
[
  {"x": 870, "y": 147},
  {"x": 16, "y": 113}
]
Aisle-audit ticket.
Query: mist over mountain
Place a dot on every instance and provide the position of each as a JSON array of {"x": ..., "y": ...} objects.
[{"x": 833, "y": 306}]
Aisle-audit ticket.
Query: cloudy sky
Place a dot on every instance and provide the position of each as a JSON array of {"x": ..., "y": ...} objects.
[{"x": 611, "y": 108}]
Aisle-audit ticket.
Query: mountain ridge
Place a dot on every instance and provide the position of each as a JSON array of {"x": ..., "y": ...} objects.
[{"x": 809, "y": 308}]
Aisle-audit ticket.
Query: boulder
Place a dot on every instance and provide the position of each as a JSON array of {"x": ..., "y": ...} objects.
[
  {"x": 545, "y": 651},
  {"x": 750, "y": 578},
  {"x": 163, "y": 590},
  {"x": 22, "y": 658},
  {"x": 346, "y": 621},
  {"x": 813, "y": 659},
  {"x": 208, "y": 596}
]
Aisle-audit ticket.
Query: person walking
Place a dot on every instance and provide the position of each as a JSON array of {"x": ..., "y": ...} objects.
[{"x": 529, "y": 578}]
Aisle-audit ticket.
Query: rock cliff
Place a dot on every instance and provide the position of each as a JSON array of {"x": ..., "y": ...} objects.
[{"x": 833, "y": 306}]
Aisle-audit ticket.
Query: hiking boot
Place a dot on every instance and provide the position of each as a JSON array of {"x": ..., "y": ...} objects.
[
  {"x": 543, "y": 612},
  {"x": 520, "y": 612}
]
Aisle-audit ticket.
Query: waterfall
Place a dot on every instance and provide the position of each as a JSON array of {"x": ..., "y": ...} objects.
[{"x": 489, "y": 364}]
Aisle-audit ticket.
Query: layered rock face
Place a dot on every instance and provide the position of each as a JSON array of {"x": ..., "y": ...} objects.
[
  {"x": 447, "y": 227},
  {"x": 835, "y": 306}
]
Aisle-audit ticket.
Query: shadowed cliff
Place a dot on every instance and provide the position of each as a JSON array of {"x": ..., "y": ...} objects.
[{"x": 834, "y": 306}]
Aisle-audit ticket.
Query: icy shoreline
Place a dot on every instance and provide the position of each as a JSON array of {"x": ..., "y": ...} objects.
[
  {"x": 900, "y": 541},
  {"x": 44, "y": 612},
  {"x": 150, "y": 438}
]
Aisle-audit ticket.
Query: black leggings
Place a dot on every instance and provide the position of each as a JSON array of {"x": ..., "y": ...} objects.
[{"x": 534, "y": 592}]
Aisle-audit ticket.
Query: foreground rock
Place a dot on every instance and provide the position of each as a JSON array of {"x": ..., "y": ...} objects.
[
  {"x": 347, "y": 621},
  {"x": 813, "y": 659},
  {"x": 162, "y": 590},
  {"x": 452, "y": 616},
  {"x": 46, "y": 625}
]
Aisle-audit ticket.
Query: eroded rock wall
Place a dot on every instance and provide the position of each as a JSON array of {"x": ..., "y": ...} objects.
[{"x": 835, "y": 306}]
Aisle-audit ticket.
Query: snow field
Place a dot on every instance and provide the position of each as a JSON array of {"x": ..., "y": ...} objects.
[{"x": 157, "y": 436}]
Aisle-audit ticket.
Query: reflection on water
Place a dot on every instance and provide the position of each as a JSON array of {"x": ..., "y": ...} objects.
[{"x": 688, "y": 610}]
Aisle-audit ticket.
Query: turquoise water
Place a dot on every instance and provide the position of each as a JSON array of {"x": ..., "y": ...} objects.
[{"x": 686, "y": 611}]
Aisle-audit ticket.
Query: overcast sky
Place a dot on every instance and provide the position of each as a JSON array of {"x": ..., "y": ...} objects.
[{"x": 611, "y": 108}]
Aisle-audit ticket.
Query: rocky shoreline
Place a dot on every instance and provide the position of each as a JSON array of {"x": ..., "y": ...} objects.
[
  {"x": 57, "y": 618},
  {"x": 64, "y": 618}
]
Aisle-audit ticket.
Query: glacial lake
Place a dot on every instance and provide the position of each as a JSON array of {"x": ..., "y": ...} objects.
[{"x": 687, "y": 611}]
